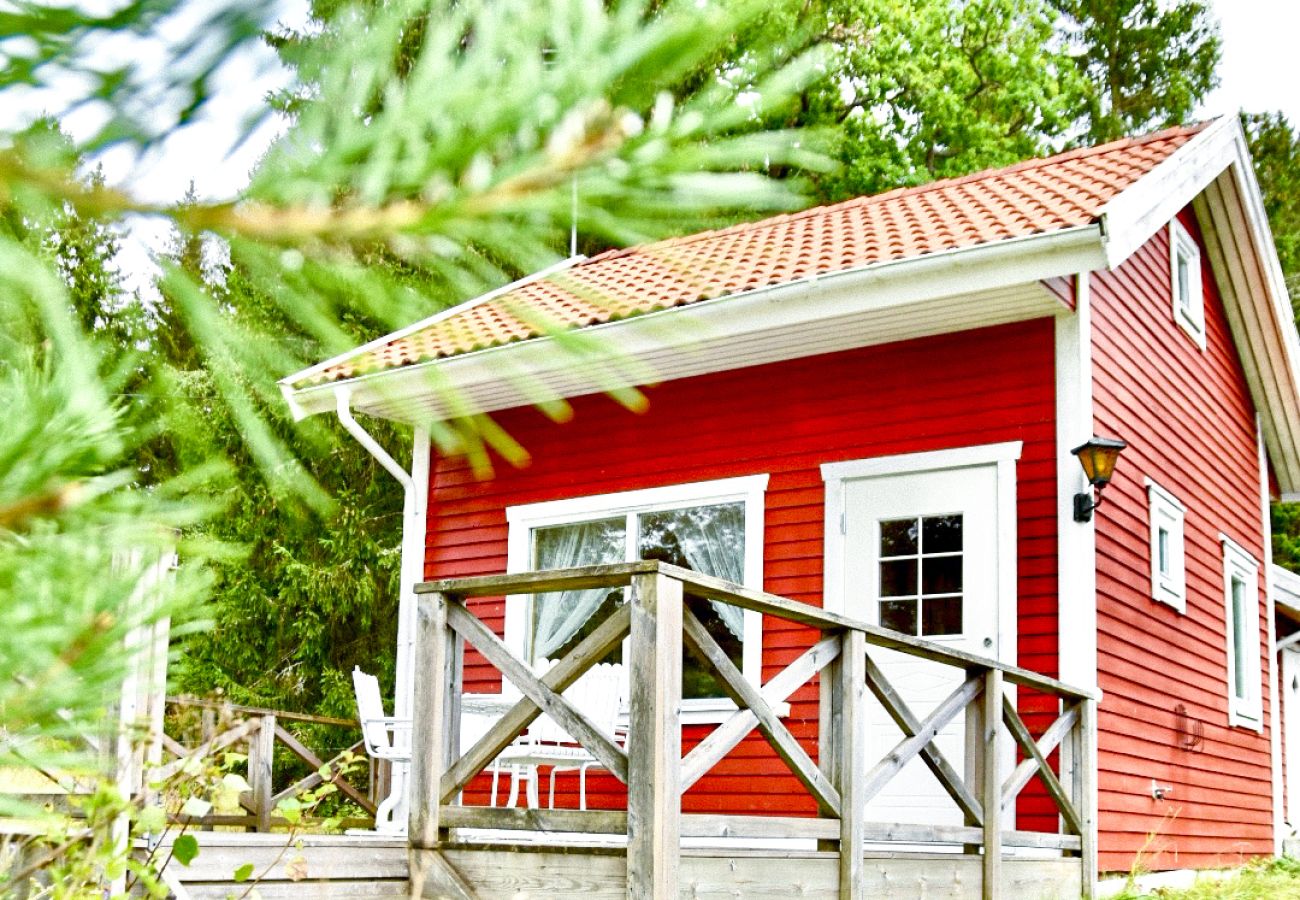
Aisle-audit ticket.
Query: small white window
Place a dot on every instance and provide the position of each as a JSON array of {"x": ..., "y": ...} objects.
[
  {"x": 1241, "y": 608},
  {"x": 1185, "y": 276},
  {"x": 1168, "y": 573}
]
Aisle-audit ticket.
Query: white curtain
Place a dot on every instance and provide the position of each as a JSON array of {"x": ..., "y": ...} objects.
[
  {"x": 558, "y": 616},
  {"x": 713, "y": 540}
]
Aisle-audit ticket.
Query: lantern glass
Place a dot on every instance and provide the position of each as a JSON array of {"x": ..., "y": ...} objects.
[{"x": 1098, "y": 458}]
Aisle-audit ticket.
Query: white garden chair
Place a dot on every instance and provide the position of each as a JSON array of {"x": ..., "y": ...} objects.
[
  {"x": 599, "y": 695},
  {"x": 380, "y": 734}
]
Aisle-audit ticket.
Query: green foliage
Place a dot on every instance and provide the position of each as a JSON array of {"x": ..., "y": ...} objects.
[
  {"x": 1147, "y": 63},
  {"x": 1261, "y": 879},
  {"x": 927, "y": 90}
]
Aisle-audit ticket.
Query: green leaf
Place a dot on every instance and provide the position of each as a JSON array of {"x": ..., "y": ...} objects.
[
  {"x": 185, "y": 848},
  {"x": 244, "y": 872},
  {"x": 196, "y": 807},
  {"x": 152, "y": 819}
]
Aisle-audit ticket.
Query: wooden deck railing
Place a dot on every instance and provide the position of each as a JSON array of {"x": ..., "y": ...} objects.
[
  {"x": 842, "y": 782},
  {"x": 224, "y": 725}
]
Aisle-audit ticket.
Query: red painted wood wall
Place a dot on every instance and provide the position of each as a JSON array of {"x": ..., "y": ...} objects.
[
  {"x": 1190, "y": 424},
  {"x": 785, "y": 419}
]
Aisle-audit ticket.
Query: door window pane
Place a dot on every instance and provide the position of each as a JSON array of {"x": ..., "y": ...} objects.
[
  {"x": 921, "y": 574},
  {"x": 1240, "y": 640},
  {"x": 710, "y": 540}
]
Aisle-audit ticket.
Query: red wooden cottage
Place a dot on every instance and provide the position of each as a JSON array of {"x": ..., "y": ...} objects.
[{"x": 872, "y": 407}]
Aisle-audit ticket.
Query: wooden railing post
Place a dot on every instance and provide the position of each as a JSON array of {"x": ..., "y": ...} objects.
[
  {"x": 851, "y": 768},
  {"x": 433, "y": 647},
  {"x": 1084, "y": 755},
  {"x": 261, "y": 757},
  {"x": 654, "y": 738},
  {"x": 991, "y": 794}
]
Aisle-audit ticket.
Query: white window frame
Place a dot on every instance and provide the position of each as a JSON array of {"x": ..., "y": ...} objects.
[
  {"x": 1169, "y": 515},
  {"x": 749, "y": 489},
  {"x": 1192, "y": 318},
  {"x": 1248, "y": 711}
]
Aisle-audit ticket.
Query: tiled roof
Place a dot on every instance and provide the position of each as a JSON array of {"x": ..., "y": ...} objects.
[{"x": 1033, "y": 197}]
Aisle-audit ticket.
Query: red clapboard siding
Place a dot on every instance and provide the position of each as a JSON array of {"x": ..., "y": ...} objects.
[
  {"x": 784, "y": 419},
  {"x": 1185, "y": 413}
]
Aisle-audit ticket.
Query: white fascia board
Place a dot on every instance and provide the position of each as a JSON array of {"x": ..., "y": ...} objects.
[
  {"x": 1136, "y": 213},
  {"x": 287, "y": 383},
  {"x": 894, "y": 284},
  {"x": 1286, "y": 590}
]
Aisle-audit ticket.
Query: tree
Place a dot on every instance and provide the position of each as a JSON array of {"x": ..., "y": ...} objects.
[
  {"x": 1147, "y": 63},
  {"x": 1275, "y": 149}
]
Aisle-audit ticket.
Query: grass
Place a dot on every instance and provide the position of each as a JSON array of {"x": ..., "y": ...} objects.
[{"x": 1264, "y": 879}]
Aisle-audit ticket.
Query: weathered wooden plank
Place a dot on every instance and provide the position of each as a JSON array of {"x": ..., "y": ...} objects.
[
  {"x": 909, "y": 747},
  {"x": 1022, "y": 737},
  {"x": 540, "y": 582},
  {"x": 172, "y": 746},
  {"x": 745, "y": 695},
  {"x": 244, "y": 711},
  {"x": 434, "y": 877},
  {"x": 1085, "y": 751},
  {"x": 930, "y": 754},
  {"x": 550, "y": 701},
  {"x": 300, "y": 750},
  {"x": 376, "y": 889},
  {"x": 830, "y": 731},
  {"x": 992, "y": 784},
  {"x": 261, "y": 756},
  {"x": 207, "y": 748},
  {"x": 731, "y": 732},
  {"x": 282, "y": 860},
  {"x": 726, "y": 874},
  {"x": 542, "y": 821},
  {"x": 589, "y": 651},
  {"x": 852, "y": 767},
  {"x": 654, "y": 738},
  {"x": 1051, "y": 739},
  {"x": 432, "y": 645}
]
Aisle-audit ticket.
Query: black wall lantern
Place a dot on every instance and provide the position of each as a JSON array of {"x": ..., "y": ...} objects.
[{"x": 1098, "y": 458}]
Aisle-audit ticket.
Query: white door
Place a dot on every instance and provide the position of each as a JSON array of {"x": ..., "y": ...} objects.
[
  {"x": 1291, "y": 731},
  {"x": 921, "y": 557}
]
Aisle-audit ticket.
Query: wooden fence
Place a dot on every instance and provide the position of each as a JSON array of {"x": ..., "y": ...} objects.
[
  {"x": 225, "y": 725},
  {"x": 842, "y": 780}
]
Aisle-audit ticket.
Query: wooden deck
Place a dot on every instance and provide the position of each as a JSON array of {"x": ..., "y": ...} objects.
[{"x": 652, "y": 849}]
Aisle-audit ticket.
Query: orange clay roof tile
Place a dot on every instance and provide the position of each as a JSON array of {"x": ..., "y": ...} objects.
[{"x": 1032, "y": 197}]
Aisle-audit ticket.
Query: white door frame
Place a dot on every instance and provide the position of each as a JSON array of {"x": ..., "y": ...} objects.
[{"x": 1003, "y": 455}]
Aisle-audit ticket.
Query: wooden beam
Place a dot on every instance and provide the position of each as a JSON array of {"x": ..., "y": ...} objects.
[
  {"x": 1021, "y": 734},
  {"x": 261, "y": 756},
  {"x": 207, "y": 748},
  {"x": 1085, "y": 752},
  {"x": 654, "y": 739},
  {"x": 745, "y": 695},
  {"x": 885, "y": 770},
  {"x": 992, "y": 784},
  {"x": 931, "y": 754},
  {"x": 550, "y": 701},
  {"x": 541, "y": 821},
  {"x": 300, "y": 750},
  {"x": 589, "y": 651},
  {"x": 731, "y": 732},
  {"x": 541, "y": 582},
  {"x": 1051, "y": 739},
  {"x": 851, "y": 694},
  {"x": 432, "y": 645},
  {"x": 434, "y": 877}
]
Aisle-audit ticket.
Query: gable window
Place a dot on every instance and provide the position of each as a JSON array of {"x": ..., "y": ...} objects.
[
  {"x": 714, "y": 527},
  {"x": 1185, "y": 276},
  {"x": 1241, "y": 607},
  {"x": 1168, "y": 573}
]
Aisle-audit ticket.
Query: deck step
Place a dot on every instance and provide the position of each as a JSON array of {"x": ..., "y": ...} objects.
[{"x": 331, "y": 867}]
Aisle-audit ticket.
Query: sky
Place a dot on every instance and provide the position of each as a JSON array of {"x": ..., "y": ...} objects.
[{"x": 1257, "y": 73}]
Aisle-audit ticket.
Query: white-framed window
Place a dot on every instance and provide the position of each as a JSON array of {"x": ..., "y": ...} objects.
[
  {"x": 714, "y": 527},
  {"x": 1241, "y": 613},
  {"x": 1168, "y": 570},
  {"x": 1185, "y": 278}
]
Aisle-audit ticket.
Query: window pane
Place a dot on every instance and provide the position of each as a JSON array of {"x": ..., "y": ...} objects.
[
  {"x": 898, "y": 615},
  {"x": 1162, "y": 543},
  {"x": 940, "y": 574},
  {"x": 941, "y": 615},
  {"x": 1240, "y": 642},
  {"x": 711, "y": 540},
  {"x": 1184, "y": 283},
  {"x": 562, "y": 618},
  {"x": 898, "y": 537},
  {"x": 941, "y": 534},
  {"x": 898, "y": 578}
]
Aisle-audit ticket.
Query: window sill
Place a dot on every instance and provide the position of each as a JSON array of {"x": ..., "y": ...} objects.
[{"x": 1251, "y": 721}]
